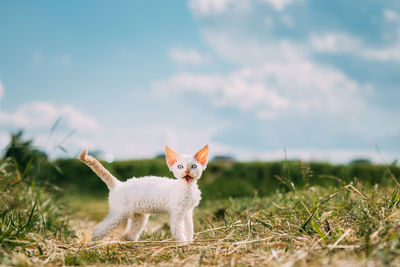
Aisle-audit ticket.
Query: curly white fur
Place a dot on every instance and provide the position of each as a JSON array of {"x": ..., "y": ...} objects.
[{"x": 134, "y": 200}]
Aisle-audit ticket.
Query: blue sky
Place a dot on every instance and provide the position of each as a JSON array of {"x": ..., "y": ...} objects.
[{"x": 248, "y": 77}]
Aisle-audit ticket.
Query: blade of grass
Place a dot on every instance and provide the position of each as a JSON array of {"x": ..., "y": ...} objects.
[
  {"x": 303, "y": 227},
  {"x": 318, "y": 230}
]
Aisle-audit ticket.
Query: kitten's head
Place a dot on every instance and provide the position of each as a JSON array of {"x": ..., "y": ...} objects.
[{"x": 187, "y": 167}]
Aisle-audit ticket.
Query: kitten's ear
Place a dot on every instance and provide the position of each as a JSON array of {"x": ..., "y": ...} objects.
[
  {"x": 171, "y": 156},
  {"x": 202, "y": 155}
]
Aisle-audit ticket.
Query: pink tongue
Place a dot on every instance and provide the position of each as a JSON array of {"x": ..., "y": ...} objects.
[{"x": 187, "y": 178}]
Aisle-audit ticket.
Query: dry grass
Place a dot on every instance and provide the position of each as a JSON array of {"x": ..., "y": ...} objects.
[{"x": 351, "y": 225}]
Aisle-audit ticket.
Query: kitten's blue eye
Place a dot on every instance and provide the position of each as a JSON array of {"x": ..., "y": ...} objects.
[
  {"x": 194, "y": 166},
  {"x": 180, "y": 167}
]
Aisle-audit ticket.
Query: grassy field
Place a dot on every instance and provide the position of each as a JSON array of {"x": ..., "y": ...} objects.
[
  {"x": 282, "y": 214},
  {"x": 351, "y": 225}
]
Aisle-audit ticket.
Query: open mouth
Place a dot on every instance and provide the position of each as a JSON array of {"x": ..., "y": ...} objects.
[{"x": 188, "y": 178}]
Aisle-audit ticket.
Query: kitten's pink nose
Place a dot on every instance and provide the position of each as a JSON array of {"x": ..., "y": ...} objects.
[{"x": 187, "y": 172}]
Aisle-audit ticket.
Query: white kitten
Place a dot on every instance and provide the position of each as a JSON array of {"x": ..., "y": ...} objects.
[{"x": 137, "y": 198}]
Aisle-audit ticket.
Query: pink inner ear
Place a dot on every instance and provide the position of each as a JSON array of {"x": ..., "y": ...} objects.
[
  {"x": 202, "y": 155},
  {"x": 171, "y": 155}
]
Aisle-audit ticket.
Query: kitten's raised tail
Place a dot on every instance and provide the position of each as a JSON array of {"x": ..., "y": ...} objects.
[{"x": 99, "y": 169}]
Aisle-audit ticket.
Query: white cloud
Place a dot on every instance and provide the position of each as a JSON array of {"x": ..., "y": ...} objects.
[
  {"x": 37, "y": 118},
  {"x": 335, "y": 42},
  {"x": 42, "y": 115},
  {"x": 250, "y": 50},
  {"x": 255, "y": 49},
  {"x": 208, "y": 7},
  {"x": 345, "y": 43},
  {"x": 294, "y": 88},
  {"x": 238, "y": 89},
  {"x": 391, "y": 16},
  {"x": 187, "y": 56},
  {"x": 216, "y": 7},
  {"x": 35, "y": 114},
  {"x": 77, "y": 119},
  {"x": 278, "y": 79},
  {"x": 279, "y": 4},
  {"x": 391, "y": 53},
  {"x": 311, "y": 89}
]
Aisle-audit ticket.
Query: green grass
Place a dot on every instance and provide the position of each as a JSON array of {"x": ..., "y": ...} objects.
[
  {"x": 29, "y": 215},
  {"x": 257, "y": 213},
  {"x": 352, "y": 224},
  {"x": 346, "y": 223}
]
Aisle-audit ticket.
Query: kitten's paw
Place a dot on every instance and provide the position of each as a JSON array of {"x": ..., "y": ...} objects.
[
  {"x": 189, "y": 237},
  {"x": 187, "y": 242},
  {"x": 181, "y": 240}
]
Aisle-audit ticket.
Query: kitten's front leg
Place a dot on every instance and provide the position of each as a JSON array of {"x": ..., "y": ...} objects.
[
  {"x": 177, "y": 226},
  {"x": 189, "y": 225}
]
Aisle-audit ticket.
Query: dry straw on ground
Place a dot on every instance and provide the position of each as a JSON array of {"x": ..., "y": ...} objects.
[{"x": 352, "y": 226}]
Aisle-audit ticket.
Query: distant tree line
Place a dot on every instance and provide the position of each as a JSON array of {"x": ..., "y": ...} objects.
[{"x": 224, "y": 177}]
